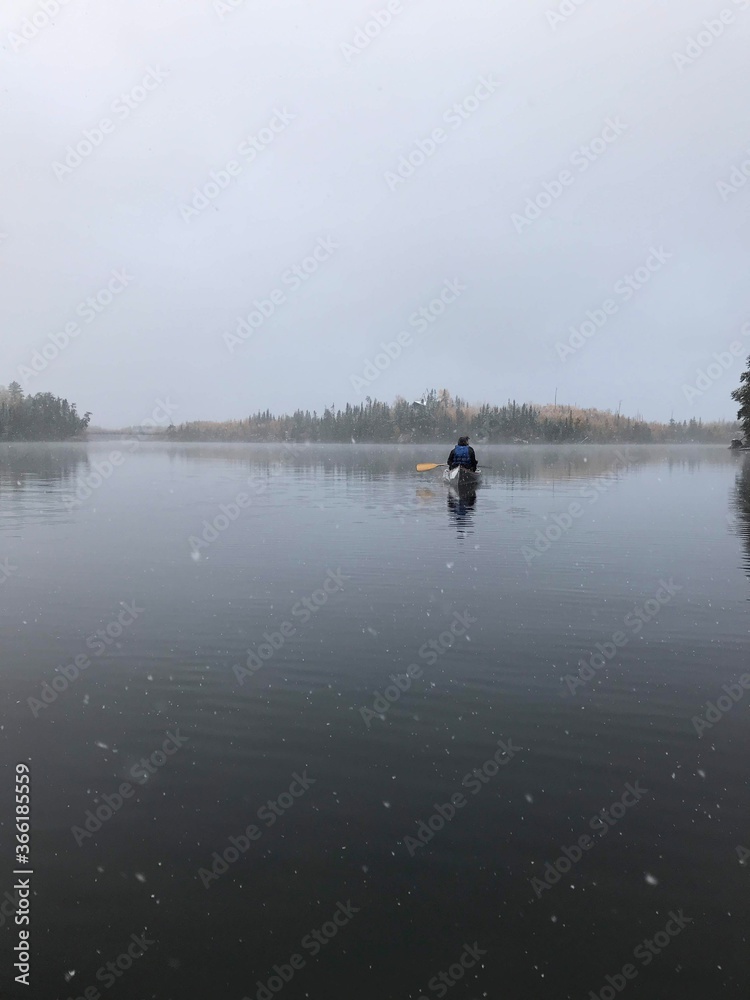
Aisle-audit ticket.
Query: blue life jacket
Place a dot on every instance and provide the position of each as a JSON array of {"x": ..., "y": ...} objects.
[{"x": 461, "y": 454}]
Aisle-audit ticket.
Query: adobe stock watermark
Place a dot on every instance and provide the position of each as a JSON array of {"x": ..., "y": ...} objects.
[
  {"x": 36, "y": 23},
  {"x": 645, "y": 953},
  {"x": 582, "y": 158},
  {"x": 372, "y": 28},
  {"x": 121, "y": 108},
  {"x": 600, "y": 823},
  {"x": 104, "y": 469},
  {"x": 304, "y": 611},
  {"x": 475, "y": 781},
  {"x": 292, "y": 278},
  {"x": 723, "y": 361},
  {"x": 544, "y": 540},
  {"x": 88, "y": 309},
  {"x": 9, "y": 906},
  {"x": 286, "y": 449},
  {"x": 109, "y": 973},
  {"x": 313, "y": 943},
  {"x": 416, "y": 505},
  {"x": 443, "y": 981},
  {"x": 626, "y": 288},
  {"x": 98, "y": 642},
  {"x": 455, "y": 116},
  {"x": 224, "y": 7},
  {"x": 7, "y": 569},
  {"x": 710, "y": 30},
  {"x": 715, "y": 711},
  {"x": 429, "y": 651},
  {"x": 247, "y": 150},
  {"x": 87, "y": 485},
  {"x": 607, "y": 651},
  {"x": 141, "y": 774},
  {"x": 737, "y": 179},
  {"x": 268, "y": 814},
  {"x": 563, "y": 12},
  {"x": 228, "y": 514},
  {"x": 420, "y": 320}
]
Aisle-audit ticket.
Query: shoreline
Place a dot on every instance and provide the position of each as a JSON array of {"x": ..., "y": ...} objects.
[{"x": 287, "y": 446}]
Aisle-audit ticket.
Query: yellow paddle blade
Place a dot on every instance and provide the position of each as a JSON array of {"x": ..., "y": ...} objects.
[{"x": 429, "y": 466}]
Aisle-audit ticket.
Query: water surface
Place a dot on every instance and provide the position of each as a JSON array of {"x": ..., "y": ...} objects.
[{"x": 266, "y": 599}]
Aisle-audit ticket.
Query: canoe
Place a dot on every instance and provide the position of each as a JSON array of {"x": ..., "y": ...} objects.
[{"x": 461, "y": 476}]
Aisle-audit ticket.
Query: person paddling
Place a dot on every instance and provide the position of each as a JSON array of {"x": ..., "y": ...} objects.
[{"x": 462, "y": 454}]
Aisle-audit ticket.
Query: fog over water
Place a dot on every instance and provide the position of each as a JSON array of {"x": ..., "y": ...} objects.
[{"x": 287, "y": 124}]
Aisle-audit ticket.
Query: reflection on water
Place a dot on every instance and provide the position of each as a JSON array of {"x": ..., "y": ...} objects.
[
  {"x": 31, "y": 466},
  {"x": 741, "y": 505},
  {"x": 23, "y": 464},
  {"x": 509, "y": 463},
  {"x": 34, "y": 478},
  {"x": 257, "y": 592},
  {"x": 461, "y": 504}
]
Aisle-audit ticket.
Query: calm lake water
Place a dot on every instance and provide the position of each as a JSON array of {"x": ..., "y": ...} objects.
[{"x": 230, "y": 620}]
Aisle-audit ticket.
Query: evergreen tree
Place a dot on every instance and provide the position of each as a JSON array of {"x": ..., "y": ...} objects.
[
  {"x": 42, "y": 417},
  {"x": 741, "y": 395},
  {"x": 439, "y": 417}
]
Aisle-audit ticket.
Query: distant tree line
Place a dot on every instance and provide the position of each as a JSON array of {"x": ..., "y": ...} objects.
[
  {"x": 440, "y": 417},
  {"x": 42, "y": 417}
]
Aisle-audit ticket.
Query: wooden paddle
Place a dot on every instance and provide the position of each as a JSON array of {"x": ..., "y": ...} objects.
[{"x": 429, "y": 466}]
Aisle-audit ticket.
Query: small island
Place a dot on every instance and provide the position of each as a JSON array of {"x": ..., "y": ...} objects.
[{"x": 42, "y": 417}]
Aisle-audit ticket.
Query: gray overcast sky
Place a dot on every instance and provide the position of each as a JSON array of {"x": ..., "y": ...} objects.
[{"x": 317, "y": 123}]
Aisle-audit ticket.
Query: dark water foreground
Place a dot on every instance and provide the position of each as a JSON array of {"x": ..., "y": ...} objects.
[{"x": 309, "y": 725}]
